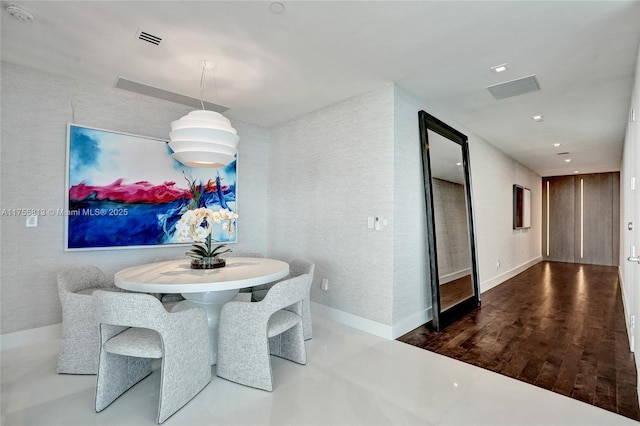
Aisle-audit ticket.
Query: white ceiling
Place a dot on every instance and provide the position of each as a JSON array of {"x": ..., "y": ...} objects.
[
  {"x": 445, "y": 158},
  {"x": 274, "y": 67}
]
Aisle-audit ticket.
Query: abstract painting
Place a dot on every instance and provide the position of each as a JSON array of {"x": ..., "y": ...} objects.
[{"x": 127, "y": 191}]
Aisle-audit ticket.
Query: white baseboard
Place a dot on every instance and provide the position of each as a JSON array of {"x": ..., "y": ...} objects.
[
  {"x": 630, "y": 331},
  {"x": 412, "y": 322},
  {"x": 369, "y": 326},
  {"x": 454, "y": 276},
  {"x": 499, "y": 279},
  {"x": 373, "y": 327},
  {"x": 625, "y": 309},
  {"x": 29, "y": 337}
]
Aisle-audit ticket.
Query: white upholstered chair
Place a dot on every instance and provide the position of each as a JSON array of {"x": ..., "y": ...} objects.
[
  {"x": 135, "y": 328},
  {"x": 244, "y": 294},
  {"x": 250, "y": 331},
  {"x": 80, "y": 340},
  {"x": 297, "y": 267}
]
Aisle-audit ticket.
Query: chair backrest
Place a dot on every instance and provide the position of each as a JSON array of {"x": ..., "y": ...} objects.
[
  {"x": 286, "y": 293},
  {"x": 299, "y": 267},
  {"x": 129, "y": 310},
  {"x": 81, "y": 278}
]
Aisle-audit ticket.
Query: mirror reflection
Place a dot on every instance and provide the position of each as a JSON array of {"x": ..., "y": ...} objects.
[{"x": 450, "y": 217}]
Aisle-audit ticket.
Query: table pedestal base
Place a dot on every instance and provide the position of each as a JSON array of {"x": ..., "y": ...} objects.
[{"x": 212, "y": 302}]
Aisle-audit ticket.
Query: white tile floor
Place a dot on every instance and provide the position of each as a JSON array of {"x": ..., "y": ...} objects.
[{"x": 352, "y": 378}]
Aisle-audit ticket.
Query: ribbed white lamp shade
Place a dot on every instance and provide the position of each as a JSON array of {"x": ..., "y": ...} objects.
[{"x": 203, "y": 139}]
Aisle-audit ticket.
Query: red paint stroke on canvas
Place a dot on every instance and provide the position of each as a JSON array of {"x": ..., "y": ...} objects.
[{"x": 138, "y": 192}]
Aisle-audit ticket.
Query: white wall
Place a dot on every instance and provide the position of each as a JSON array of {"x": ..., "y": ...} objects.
[
  {"x": 493, "y": 174},
  {"x": 630, "y": 212},
  {"x": 411, "y": 274},
  {"x": 329, "y": 171},
  {"x": 35, "y": 108}
]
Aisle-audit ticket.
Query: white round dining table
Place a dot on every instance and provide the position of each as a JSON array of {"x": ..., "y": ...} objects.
[{"x": 207, "y": 288}]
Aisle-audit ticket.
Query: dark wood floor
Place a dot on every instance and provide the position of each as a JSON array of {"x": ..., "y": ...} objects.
[
  {"x": 455, "y": 291},
  {"x": 559, "y": 326}
]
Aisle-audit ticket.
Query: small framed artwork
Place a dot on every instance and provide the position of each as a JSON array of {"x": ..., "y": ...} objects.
[
  {"x": 127, "y": 191},
  {"x": 521, "y": 207}
]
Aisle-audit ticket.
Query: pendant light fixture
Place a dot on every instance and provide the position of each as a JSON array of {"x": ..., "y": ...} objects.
[{"x": 204, "y": 138}]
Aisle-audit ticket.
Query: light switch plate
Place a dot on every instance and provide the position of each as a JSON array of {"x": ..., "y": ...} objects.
[
  {"x": 370, "y": 222},
  {"x": 32, "y": 221}
]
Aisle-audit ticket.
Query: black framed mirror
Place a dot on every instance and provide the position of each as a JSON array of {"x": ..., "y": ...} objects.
[{"x": 450, "y": 227}]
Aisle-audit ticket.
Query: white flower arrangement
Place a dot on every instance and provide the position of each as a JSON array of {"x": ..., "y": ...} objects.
[{"x": 197, "y": 225}]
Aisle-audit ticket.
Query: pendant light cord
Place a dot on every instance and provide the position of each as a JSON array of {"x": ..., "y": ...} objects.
[
  {"x": 215, "y": 86},
  {"x": 202, "y": 86}
]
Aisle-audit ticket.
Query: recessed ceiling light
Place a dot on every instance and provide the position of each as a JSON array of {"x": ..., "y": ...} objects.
[
  {"x": 556, "y": 145},
  {"x": 576, "y": 171},
  {"x": 499, "y": 68},
  {"x": 277, "y": 7},
  {"x": 568, "y": 160},
  {"x": 538, "y": 118},
  {"x": 458, "y": 164}
]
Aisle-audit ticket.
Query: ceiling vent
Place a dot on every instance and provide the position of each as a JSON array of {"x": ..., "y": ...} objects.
[
  {"x": 165, "y": 95},
  {"x": 516, "y": 87},
  {"x": 20, "y": 13},
  {"x": 149, "y": 38}
]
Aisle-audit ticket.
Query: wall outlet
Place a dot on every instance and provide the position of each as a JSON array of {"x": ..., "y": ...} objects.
[
  {"x": 325, "y": 284},
  {"x": 498, "y": 264},
  {"x": 632, "y": 321},
  {"x": 32, "y": 221}
]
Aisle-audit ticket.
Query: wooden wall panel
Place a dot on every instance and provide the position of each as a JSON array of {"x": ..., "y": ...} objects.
[
  {"x": 598, "y": 219},
  {"x": 561, "y": 218},
  {"x": 583, "y": 218}
]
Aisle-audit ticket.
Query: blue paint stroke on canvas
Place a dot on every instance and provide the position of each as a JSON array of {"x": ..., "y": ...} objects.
[{"x": 119, "y": 195}]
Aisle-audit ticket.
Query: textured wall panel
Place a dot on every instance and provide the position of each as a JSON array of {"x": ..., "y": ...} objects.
[
  {"x": 328, "y": 171},
  {"x": 411, "y": 275}
]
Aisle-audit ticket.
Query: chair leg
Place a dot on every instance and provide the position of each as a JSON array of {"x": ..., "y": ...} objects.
[
  {"x": 290, "y": 345},
  {"x": 80, "y": 340},
  {"x": 74, "y": 358},
  {"x": 306, "y": 318},
  {"x": 244, "y": 358},
  {"x": 189, "y": 373},
  {"x": 116, "y": 374}
]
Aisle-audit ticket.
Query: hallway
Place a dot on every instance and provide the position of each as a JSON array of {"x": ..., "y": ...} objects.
[{"x": 559, "y": 326}]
